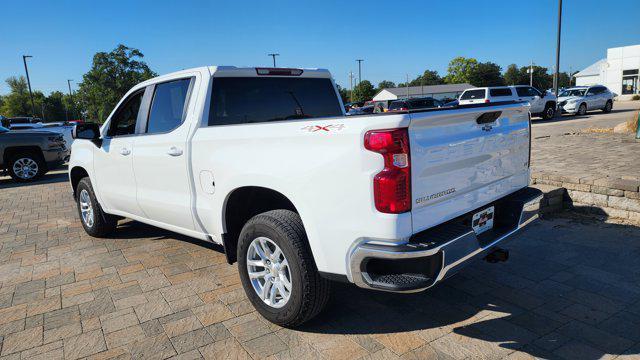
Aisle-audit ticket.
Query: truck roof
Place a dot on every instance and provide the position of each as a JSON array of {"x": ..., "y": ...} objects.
[
  {"x": 229, "y": 71},
  {"x": 234, "y": 71}
]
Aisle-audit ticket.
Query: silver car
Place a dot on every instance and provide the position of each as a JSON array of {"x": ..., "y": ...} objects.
[{"x": 580, "y": 99}]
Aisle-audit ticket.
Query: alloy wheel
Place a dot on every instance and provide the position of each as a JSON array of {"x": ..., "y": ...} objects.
[
  {"x": 269, "y": 272},
  {"x": 25, "y": 168},
  {"x": 86, "y": 209}
]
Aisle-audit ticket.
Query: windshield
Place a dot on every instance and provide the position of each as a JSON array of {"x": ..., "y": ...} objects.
[
  {"x": 573, "y": 92},
  {"x": 240, "y": 100}
]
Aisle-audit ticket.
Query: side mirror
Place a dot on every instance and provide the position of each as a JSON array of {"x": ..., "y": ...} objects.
[{"x": 87, "y": 131}]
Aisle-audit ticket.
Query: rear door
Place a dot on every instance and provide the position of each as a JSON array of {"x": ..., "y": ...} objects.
[
  {"x": 160, "y": 158},
  {"x": 460, "y": 163},
  {"x": 592, "y": 98}
]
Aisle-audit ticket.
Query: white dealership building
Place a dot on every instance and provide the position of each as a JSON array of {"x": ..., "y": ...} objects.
[{"x": 619, "y": 71}]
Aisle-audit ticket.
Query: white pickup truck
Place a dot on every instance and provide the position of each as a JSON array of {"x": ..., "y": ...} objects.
[{"x": 265, "y": 162}]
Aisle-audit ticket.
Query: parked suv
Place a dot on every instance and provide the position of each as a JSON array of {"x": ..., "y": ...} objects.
[
  {"x": 29, "y": 154},
  {"x": 580, "y": 99},
  {"x": 542, "y": 104}
]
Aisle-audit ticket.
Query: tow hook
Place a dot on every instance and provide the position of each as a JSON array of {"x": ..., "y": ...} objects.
[{"x": 497, "y": 255}]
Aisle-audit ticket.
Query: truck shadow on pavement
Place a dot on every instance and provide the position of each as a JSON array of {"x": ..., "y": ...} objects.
[{"x": 571, "y": 289}]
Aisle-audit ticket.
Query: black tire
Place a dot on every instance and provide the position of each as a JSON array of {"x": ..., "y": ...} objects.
[
  {"x": 31, "y": 160},
  {"x": 549, "y": 112},
  {"x": 608, "y": 106},
  {"x": 310, "y": 292},
  {"x": 103, "y": 224},
  {"x": 582, "y": 109}
]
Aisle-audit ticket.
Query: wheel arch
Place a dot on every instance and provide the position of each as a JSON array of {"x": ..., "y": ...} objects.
[
  {"x": 12, "y": 150},
  {"x": 76, "y": 174},
  {"x": 243, "y": 203}
]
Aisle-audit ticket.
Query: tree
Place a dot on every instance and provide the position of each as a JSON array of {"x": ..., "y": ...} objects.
[
  {"x": 385, "y": 84},
  {"x": 429, "y": 77},
  {"x": 460, "y": 70},
  {"x": 486, "y": 74},
  {"x": 512, "y": 75},
  {"x": 17, "y": 102},
  {"x": 363, "y": 91},
  {"x": 110, "y": 77},
  {"x": 344, "y": 94},
  {"x": 564, "y": 80}
]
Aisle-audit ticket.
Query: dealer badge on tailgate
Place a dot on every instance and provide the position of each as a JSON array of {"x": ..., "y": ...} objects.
[{"x": 482, "y": 220}]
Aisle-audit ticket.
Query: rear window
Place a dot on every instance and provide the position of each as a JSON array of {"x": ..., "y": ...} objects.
[
  {"x": 473, "y": 94},
  {"x": 500, "y": 92},
  {"x": 422, "y": 104},
  {"x": 241, "y": 100}
]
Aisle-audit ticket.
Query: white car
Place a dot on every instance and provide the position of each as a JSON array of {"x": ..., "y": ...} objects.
[
  {"x": 541, "y": 104},
  {"x": 580, "y": 99},
  {"x": 265, "y": 162}
]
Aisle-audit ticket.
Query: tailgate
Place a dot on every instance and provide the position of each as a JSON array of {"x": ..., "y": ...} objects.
[{"x": 459, "y": 164}]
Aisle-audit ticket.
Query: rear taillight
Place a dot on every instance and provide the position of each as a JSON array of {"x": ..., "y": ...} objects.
[
  {"x": 392, "y": 185},
  {"x": 487, "y": 100}
]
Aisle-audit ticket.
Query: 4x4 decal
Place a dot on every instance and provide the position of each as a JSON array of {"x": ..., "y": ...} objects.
[{"x": 328, "y": 128}]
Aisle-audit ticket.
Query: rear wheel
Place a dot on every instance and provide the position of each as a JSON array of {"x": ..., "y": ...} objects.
[
  {"x": 27, "y": 166},
  {"x": 94, "y": 221},
  {"x": 582, "y": 110},
  {"x": 608, "y": 106},
  {"x": 277, "y": 270}
]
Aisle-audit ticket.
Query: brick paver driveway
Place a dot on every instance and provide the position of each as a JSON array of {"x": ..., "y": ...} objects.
[{"x": 571, "y": 289}]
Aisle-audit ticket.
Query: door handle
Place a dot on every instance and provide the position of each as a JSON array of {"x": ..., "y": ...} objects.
[
  {"x": 125, "y": 151},
  {"x": 174, "y": 151}
]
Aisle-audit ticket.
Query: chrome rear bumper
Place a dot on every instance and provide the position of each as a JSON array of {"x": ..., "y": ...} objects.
[{"x": 434, "y": 254}]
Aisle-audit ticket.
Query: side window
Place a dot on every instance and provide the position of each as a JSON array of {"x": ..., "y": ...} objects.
[
  {"x": 527, "y": 91},
  {"x": 500, "y": 92},
  {"x": 123, "y": 122},
  {"x": 168, "y": 106},
  {"x": 473, "y": 94},
  {"x": 592, "y": 91}
]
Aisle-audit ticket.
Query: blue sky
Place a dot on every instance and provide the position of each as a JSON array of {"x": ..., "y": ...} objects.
[{"x": 394, "y": 38}]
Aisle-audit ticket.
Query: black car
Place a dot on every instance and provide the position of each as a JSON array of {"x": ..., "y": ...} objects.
[
  {"x": 415, "y": 104},
  {"x": 7, "y": 122}
]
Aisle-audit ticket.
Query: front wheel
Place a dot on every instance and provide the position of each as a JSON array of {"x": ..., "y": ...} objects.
[
  {"x": 277, "y": 270},
  {"x": 582, "y": 110},
  {"x": 549, "y": 112},
  {"x": 95, "y": 222},
  {"x": 608, "y": 106}
]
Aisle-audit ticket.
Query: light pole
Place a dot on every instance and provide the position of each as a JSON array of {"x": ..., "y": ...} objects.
[
  {"x": 531, "y": 74},
  {"x": 70, "y": 98},
  {"x": 273, "y": 55},
  {"x": 557, "y": 72},
  {"x": 359, "y": 70},
  {"x": 351, "y": 86},
  {"x": 26, "y": 70}
]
